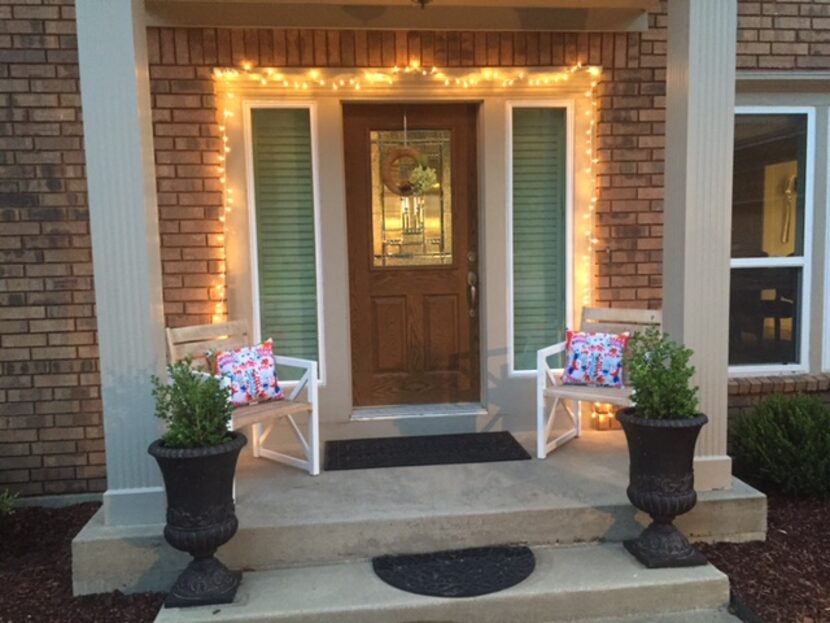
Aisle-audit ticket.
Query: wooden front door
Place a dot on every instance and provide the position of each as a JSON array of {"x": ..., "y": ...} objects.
[{"x": 413, "y": 257}]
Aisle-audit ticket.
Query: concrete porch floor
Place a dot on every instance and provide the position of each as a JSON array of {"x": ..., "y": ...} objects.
[{"x": 288, "y": 518}]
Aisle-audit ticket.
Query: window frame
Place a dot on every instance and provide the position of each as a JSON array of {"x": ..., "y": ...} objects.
[
  {"x": 824, "y": 358},
  {"x": 804, "y": 261},
  {"x": 248, "y": 106},
  {"x": 569, "y": 106}
]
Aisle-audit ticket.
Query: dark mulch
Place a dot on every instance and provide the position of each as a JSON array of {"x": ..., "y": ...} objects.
[
  {"x": 36, "y": 573},
  {"x": 787, "y": 578}
]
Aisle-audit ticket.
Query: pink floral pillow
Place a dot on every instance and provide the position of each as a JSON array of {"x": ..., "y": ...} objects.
[
  {"x": 251, "y": 372},
  {"x": 594, "y": 359}
]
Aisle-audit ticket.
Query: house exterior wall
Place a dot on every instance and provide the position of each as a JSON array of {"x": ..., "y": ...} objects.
[
  {"x": 51, "y": 436},
  {"x": 50, "y": 413}
]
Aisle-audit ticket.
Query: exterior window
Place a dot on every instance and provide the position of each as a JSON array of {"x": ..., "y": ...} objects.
[
  {"x": 769, "y": 239},
  {"x": 539, "y": 225},
  {"x": 411, "y": 198},
  {"x": 284, "y": 193}
]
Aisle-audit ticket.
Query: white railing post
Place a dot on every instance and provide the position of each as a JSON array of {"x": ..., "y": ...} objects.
[
  {"x": 115, "y": 95},
  {"x": 700, "y": 107}
]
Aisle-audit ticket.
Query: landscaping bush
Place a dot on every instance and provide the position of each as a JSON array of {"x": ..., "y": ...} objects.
[
  {"x": 195, "y": 406},
  {"x": 7, "y": 500},
  {"x": 658, "y": 370},
  {"x": 784, "y": 445}
]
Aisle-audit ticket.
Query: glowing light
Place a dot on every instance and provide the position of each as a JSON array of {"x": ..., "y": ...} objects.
[{"x": 506, "y": 78}]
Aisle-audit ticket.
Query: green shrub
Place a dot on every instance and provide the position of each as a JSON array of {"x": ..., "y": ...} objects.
[
  {"x": 658, "y": 370},
  {"x": 783, "y": 445},
  {"x": 195, "y": 407},
  {"x": 7, "y": 500}
]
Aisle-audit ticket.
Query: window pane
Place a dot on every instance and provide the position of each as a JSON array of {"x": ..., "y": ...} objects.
[
  {"x": 411, "y": 198},
  {"x": 539, "y": 284},
  {"x": 768, "y": 188},
  {"x": 764, "y": 316},
  {"x": 284, "y": 191}
]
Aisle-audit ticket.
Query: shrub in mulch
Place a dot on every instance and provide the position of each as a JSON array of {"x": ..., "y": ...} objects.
[
  {"x": 783, "y": 445},
  {"x": 787, "y": 578},
  {"x": 36, "y": 573}
]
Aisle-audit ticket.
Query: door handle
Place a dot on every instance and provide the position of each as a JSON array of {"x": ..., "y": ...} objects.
[{"x": 472, "y": 285}]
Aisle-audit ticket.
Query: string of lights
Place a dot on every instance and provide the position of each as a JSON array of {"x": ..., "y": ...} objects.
[{"x": 314, "y": 80}]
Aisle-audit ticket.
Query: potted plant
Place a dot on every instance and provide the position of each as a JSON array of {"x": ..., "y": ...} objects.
[
  {"x": 661, "y": 429},
  {"x": 197, "y": 457}
]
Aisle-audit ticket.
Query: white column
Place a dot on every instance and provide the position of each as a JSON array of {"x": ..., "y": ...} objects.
[
  {"x": 125, "y": 247},
  {"x": 700, "y": 107}
]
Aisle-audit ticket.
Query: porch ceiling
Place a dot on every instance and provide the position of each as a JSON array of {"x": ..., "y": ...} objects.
[{"x": 531, "y": 15}]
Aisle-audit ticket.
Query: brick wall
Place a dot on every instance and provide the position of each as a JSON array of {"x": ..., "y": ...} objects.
[
  {"x": 631, "y": 98},
  {"x": 631, "y": 127},
  {"x": 745, "y": 394},
  {"x": 50, "y": 413},
  {"x": 784, "y": 35}
]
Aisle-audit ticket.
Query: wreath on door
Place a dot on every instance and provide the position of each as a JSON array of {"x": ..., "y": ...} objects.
[{"x": 422, "y": 178}]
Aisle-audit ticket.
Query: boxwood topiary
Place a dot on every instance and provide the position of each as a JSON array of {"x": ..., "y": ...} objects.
[
  {"x": 658, "y": 370},
  {"x": 783, "y": 445},
  {"x": 194, "y": 405}
]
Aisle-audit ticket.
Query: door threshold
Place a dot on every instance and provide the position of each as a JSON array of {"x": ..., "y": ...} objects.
[{"x": 395, "y": 412}]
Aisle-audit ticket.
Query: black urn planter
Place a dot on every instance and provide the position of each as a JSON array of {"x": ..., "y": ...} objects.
[
  {"x": 661, "y": 483},
  {"x": 200, "y": 518}
]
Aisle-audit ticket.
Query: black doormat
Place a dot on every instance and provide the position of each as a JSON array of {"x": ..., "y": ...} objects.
[
  {"x": 428, "y": 450},
  {"x": 458, "y": 573}
]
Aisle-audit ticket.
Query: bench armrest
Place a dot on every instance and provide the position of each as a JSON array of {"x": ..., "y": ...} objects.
[
  {"x": 309, "y": 378},
  {"x": 554, "y": 349},
  {"x": 294, "y": 362},
  {"x": 544, "y": 374}
]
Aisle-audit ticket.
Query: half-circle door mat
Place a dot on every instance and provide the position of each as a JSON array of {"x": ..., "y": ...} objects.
[
  {"x": 457, "y": 573},
  {"x": 426, "y": 450}
]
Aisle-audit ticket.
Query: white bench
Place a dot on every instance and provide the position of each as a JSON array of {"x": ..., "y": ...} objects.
[
  {"x": 196, "y": 340},
  {"x": 550, "y": 388}
]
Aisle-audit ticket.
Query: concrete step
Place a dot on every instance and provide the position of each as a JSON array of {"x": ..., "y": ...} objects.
[
  {"x": 569, "y": 583},
  {"x": 287, "y": 518},
  {"x": 721, "y": 615}
]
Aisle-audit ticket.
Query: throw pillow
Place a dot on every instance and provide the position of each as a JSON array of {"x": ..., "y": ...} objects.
[
  {"x": 594, "y": 359},
  {"x": 252, "y": 373}
]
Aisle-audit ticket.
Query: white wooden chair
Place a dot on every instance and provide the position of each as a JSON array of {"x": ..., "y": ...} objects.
[
  {"x": 195, "y": 341},
  {"x": 549, "y": 385}
]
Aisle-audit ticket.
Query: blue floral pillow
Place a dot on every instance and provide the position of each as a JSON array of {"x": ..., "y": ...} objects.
[{"x": 594, "y": 359}]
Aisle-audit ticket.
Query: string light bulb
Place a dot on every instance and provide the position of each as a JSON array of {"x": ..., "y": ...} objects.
[{"x": 504, "y": 78}]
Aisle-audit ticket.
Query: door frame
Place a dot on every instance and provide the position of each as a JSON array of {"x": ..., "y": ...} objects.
[
  {"x": 474, "y": 238},
  {"x": 504, "y": 398}
]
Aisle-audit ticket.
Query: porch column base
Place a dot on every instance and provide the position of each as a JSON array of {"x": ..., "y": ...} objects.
[
  {"x": 713, "y": 472},
  {"x": 134, "y": 507}
]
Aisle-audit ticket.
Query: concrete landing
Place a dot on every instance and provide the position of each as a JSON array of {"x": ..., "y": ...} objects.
[
  {"x": 288, "y": 518},
  {"x": 569, "y": 583},
  {"x": 690, "y": 616}
]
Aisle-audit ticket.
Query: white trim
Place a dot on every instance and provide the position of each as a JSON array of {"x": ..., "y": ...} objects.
[
  {"x": 804, "y": 261},
  {"x": 248, "y": 105},
  {"x": 134, "y": 506},
  {"x": 825, "y": 353},
  {"x": 769, "y": 262},
  {"x": 429, "y": 410},
  {"x": 742, "y": 371},
  {"x": 570, "y": 119}
]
